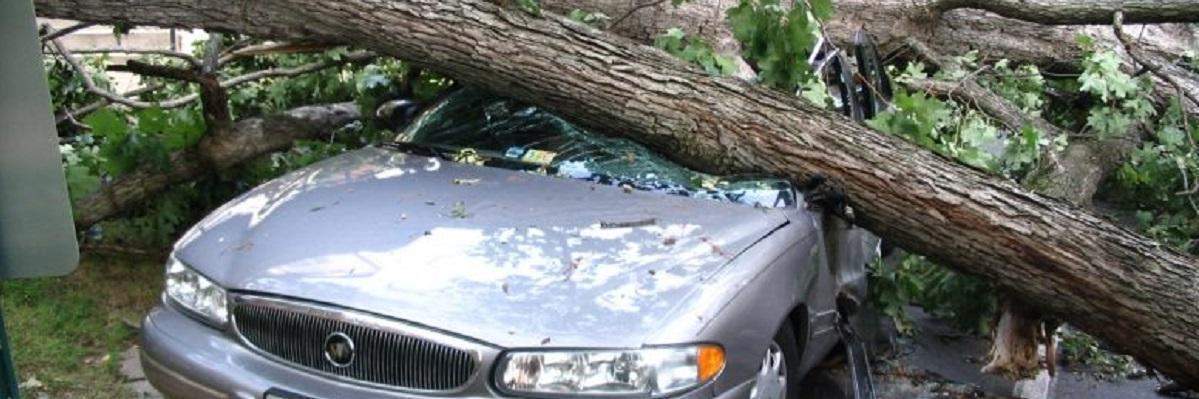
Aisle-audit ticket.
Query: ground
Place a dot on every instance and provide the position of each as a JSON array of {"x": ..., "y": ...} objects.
[
  {"x": 941, "y": 362},
  {"x": 68, "y": 333}
]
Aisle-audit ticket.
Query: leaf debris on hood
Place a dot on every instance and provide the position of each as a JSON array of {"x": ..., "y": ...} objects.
[{"x": 459, "y": 211}]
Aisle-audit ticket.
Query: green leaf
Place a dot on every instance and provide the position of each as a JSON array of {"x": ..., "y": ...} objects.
[
  {"x": 81, "y": 181},
  {"x": 1084, "y": 41},
  {"x": 369, "y": 81},
  {"x": 694, "y": 50},
  {"x": 594, "y": 19},
  {"x": 822, "y": 9},
  {"x": 121, "y": 29},
  {"x": 108, "y": 124},
  {"x": 727, "y": 65},
  {"x": 1108, "y": 123},
  {"x": 776, "y": 39},
  {"x": 816, "y": 92},
  {"x": 1144, "y": 218},
  {"x": 184, "y": 130},
  {"x": 151, "y": 120},
  {"x": 1171, "y": 136},
  {"x": 530, "y": 6}
]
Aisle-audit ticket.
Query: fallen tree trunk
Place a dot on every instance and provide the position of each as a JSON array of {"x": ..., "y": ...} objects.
[
  {"x": 247, "y": 139},
  {"x": 1102, "y": 278}
]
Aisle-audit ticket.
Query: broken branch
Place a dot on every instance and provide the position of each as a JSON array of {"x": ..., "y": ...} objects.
[
  {"x": 354, "y": 57},
  {"x": 90, "y": 84},
  {"x": 247, "y": 139},
  {"x": 52, "y": 34},
  {"x": 1153, "y": 67},
  {"x": 191, "y": 60},
  {"x": 272, "y": 48}
]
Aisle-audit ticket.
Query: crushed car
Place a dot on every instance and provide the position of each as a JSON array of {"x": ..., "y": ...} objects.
[{"x": 496, "y": 250}]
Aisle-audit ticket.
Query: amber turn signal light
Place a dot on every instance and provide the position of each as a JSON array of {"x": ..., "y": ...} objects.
[{"x": 710, "y": 360}]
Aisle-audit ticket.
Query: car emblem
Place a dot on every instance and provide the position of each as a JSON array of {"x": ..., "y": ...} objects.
[{"x": 339, "y": 349}]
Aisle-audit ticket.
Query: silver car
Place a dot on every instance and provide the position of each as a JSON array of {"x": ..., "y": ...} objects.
[{"x": 495, "y": 250}]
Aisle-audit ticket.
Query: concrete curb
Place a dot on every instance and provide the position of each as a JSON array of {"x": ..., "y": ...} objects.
[{"x": 135, "y": 379}]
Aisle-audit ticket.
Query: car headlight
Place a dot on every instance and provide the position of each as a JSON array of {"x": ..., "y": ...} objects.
[
  {"x": 196, "y": 293},
  {"x": 644, "y": 372}
]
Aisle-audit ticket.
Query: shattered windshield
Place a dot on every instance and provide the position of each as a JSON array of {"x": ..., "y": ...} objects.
[{"x": 474, "y": 126}]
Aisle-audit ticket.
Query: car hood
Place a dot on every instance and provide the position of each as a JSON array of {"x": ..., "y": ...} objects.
[{"x": 507, "y": 257}]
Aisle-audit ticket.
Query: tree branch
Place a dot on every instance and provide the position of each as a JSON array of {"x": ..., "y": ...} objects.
[
  {"x": 351, "y": 58},
  {"x": 1153, "y": 67},
  {"x": 273, "y": 48},
  {"x": 1090, "y": 12},
  {"x": 247, "y": 139},
  {"x": 159, "y": 71},
  {"x": 212, "y": 53},
  {"x": 52, "y": 34},
  {"x": 987, "y": 101},
  {"x": 213, "y": 97},
  {"x": 90, "y": 84},
  {"x": 994, "y": 105},
  {"x": 636, "y": 8},
  {"x": 94, "y": 105},
  {"x": 1073, "y": 175},
  {"x": 191, "y": 60},
  {"x": 354, "y": 57}
]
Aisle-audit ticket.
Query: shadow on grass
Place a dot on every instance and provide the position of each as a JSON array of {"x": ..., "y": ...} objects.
[{"x": 68, "y": 332}]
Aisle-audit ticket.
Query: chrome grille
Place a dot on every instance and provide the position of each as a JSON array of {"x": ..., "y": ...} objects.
[{"x": 386, "y": 352}]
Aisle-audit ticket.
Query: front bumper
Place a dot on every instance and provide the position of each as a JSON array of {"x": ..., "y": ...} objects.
[{"x": 184, "y": 358}]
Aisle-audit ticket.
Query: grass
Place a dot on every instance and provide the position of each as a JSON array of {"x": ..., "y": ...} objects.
[{"x": 69, "y": 332}]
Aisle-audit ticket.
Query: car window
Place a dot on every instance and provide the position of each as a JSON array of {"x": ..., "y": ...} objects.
[{"x": 480, "y": 123}]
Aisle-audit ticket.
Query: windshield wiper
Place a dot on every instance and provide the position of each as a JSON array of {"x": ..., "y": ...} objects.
[{"x": 450, "y": 153}]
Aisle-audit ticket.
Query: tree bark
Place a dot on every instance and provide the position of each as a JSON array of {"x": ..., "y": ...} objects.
[
  {"x": 703, "y": 18},
  {"x": 1102, "y": 278},
  {"x": 244, "y": 140}
]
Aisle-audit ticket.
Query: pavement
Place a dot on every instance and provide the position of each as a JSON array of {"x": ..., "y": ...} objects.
[
  {"x": 135, "y": 379},
  {"x": 938, "y": 362}
]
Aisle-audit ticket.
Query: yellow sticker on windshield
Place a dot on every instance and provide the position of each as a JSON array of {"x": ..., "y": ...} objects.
[
  {"x": 539, "y": 157},
  {"x": 468, "y": 156}
]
